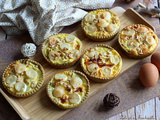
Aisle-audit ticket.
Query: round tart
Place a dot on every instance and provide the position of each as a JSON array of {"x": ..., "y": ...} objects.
[
  {"x": 101, "y": 63},
  {"x": 68, "y": 89},
  {"x": 62, "y": 50},
  {"x": 23, "y": 78},
  {"x": 137, "y": 41},
  {"x": 100, "y": 25}
]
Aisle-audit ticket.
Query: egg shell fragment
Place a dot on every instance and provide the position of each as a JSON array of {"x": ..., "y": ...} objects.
[{"x": 148, "y": 74}]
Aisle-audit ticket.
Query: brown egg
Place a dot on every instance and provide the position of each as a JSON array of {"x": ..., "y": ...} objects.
[
  {"x": 148, "y": 74},
  {"x": 155, "y": 59}
]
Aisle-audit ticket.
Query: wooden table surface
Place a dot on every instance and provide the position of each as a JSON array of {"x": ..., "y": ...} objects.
[{"x": 149, "y": 110}]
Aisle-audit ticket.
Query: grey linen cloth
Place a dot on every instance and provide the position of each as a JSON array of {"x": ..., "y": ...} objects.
[{"x": 42, "y": 18}]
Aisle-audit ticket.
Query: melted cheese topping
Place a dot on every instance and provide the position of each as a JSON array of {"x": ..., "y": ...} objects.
[
  {"x": 62, "y": 48},
  {"x": 70, "y": 91},
  {"x": 100, "y": 23},
  {"x": 22, "y": 76},
  {"x": 58, "y": 91},
  {"x": 138, "y": 40},
  {"x": 102, "y": 61}
]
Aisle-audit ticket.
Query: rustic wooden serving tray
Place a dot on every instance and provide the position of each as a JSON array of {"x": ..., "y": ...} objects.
[{"x": 38, "y": 106}]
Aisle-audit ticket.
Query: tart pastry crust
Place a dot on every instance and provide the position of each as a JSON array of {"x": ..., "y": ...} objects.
[
  {"x": 62, "y": 50},
  {"x": 101, "y": 63},
  {"x": 100, "y": 25},
  {"x": 68, "y": 89},
  {"x": 23, "y": 78},
  {"x": 137, "y": 41}
]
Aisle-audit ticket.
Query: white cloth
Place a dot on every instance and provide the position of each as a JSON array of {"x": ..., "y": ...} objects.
[{"x": 42, "y": 18}]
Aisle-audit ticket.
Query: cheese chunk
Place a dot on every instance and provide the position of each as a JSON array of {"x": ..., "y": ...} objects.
[
  {"x": 89, "y": 18},
  {"x": 111, "y": 28},
  {"x": 20, "y": 86},
  {"x": 70, "y": 38},
  {"x": 115, "y": 59},
  {"x": 65, "y": 46},
  {"x": 102, "y": 23},
  {"x": 74, "y": 98},
  {"x": 129, "y": 32},
  {"x": 93, "y": 54},
  {"x": 76, "y": 82},
  {"x": 106, "y": 16},
  {"x": 62, "y": 77},
  {"x": 11, "y": 79},
  {"x": 133, "y": 44},
  {"x": 31, "y": 73},
  {"x": 74, "y": 53},
  {"x": 142, "y": 30},
  {"x": 20, "y": 68},
  {"x": 91, "y": 28},
  {"x": 93, "y": 67},
  {"x": 58, "y": 91},
  {"x": 150, "y": 40},
  {"x": 106, "y": 71},
  {"x": 53, "y": 55}
]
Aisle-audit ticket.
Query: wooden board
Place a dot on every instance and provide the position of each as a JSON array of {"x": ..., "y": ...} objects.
[{"x": 39, "y": 106}]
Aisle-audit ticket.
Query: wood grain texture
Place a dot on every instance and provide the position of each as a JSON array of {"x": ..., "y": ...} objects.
[
  {"x": 131, "y": 113},
  {"x": 157, "y": 108},
  {"x": 143, "y": 110}
]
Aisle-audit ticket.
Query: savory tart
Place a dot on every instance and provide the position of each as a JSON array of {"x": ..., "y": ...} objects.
[
  {"x": 100, "y": 25},
  {"x": 101, "y": 63},
  {"x": 62, "y": 50},
  {"x": 68, "y": 89},
  {"x": 138, "y": 41},
  {"x": 23, "y": 78}
]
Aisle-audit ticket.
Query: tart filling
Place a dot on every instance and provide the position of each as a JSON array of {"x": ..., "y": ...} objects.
[
  {"x": 22, "y": 78},
  {"x": 100, "y": 24},
  {"x": 138, "y": 40},
  {"x": 68, "y": 89},
  {"x": 62, "y": 49},
  {"x": 101, "y": 63}
]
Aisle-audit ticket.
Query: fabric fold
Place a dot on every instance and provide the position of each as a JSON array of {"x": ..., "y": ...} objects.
[{"x": 42, "y": 18}]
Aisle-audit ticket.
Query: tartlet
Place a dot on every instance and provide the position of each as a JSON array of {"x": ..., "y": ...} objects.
[
  {"x": 100, "y": 25},
  {"x": 62, "y": 50},
  {"x": 137, "y": 41},
  {"x": 23, "y": 78},
  {"x": 68, "y": 89},
  {"x": 101, "y": 63}
]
